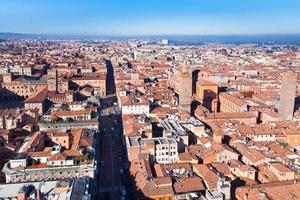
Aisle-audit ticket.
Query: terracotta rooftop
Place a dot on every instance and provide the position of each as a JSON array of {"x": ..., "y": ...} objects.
[
  {"x": 274, "y": 191},
  {"x": 209, "y": 177},
  {"x": 38, "y": 97},
  {"x": 187, "y": 185},
  {"x": 233, "y": 99}
]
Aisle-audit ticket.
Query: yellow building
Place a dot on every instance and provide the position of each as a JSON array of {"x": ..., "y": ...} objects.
[
  {"x": 22, "y": 87},
  {"x": 231, "y": 103},
  {"x": 207, "y": 93},
  {"x": 292, "y": 137}
]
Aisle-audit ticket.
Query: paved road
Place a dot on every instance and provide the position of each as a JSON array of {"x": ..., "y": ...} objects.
[
  {"x": 111, "y": 155},
  {"x": 111, "y": 158}
]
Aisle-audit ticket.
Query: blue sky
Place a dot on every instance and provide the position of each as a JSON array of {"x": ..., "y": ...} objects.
[{"x": 150, "y": 17}]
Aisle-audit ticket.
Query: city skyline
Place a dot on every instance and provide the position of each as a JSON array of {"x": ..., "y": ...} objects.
[
  {"x": 150, "y": 99},
  {"x": 133, "y": 18}
]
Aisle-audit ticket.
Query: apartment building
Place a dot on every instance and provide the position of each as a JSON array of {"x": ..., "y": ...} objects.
[
  {"x": 96, "y": 80},
  {"x": 67, "y": 189},
  {"x": 162, "y": 149},
  {"x": 282, "y": 172},
  {"x": 132, "y": 104},
  {"x": 231, "y": 103},
  {"x": 71, "y": 156},
  {"x": 22, "y": 86}
]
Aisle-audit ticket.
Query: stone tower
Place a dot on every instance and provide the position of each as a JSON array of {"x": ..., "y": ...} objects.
[
  {"x": 287, "y": 96},
  {"x": 184, "y": 89},
  {"x": 53, "y": 81}
]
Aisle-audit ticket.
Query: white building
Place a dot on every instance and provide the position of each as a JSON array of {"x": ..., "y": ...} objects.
[
  {"x": 166, "y": 150},
  {"x": 137, "y": 109},
  {"x": 165, "y": 42},
  {"x": 132, "y": 104},
  {"x": 162, "y": 149},
  {"x": 51, "y": 190}
]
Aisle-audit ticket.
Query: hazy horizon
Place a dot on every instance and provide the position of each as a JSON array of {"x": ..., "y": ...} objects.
[
  {"x": 173, "y": 39},
  {"x": 149, "y": 35}
]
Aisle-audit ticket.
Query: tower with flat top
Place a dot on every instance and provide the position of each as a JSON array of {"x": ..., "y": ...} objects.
[
  {"x": 182, "y": 84},
  {"x": 53, "y": 81},
  {"x": 287, "y": 96}
]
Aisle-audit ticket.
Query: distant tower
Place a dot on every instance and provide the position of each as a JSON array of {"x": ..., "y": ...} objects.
[
  {"x": 53, "y": 81},
  {"x": 287, "y": 96},
  {"x": 184, "y": 88}
]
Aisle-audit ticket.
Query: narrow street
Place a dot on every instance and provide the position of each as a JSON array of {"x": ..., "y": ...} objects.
[{"x": 111, "y": 158}]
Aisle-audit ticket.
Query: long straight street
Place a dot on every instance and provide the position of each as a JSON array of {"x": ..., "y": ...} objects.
[{"x": 111, "y": 158}]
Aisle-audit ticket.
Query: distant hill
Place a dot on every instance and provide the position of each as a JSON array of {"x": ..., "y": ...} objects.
[
  {"x": 174, "y": 39},
  {"x": 8, "y": 35}
]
